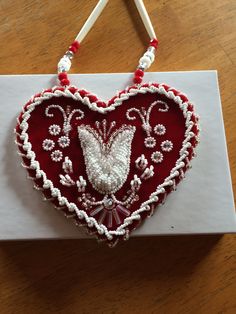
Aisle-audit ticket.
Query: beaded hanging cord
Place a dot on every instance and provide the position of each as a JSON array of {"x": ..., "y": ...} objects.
[{"x": 145, "y": 61}]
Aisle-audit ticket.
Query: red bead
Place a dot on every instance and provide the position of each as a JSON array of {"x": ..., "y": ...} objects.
[
  {"x": 154, "y": 42},
  {"x": 59, "y": 88},
  {"x": 111, "y": 101},
  {"x": 139, "y": 72},
  {"x": 195, "y": 129},
  {"x": 83, "y": 93},
  {"x": 167, "y": 87},
  {"x": 93, "y": 98},
  {"x": 73, "y": 90},
  {"x": 101, "y": 104},
  {"x": 48, "y": 90},
  {"x": 190, "y": 107},
  {"x": 174, "y": 91},
  {"x": 183, "y": 97},
  {"x": 194, "y": 119},
  {"x": 76, "y": 44},
  {"x": 73, "y": 49},
  {"x": 62, "y": 76},
  {"x": 65, "y": 82},
  {"x": 138, "y": 79}
]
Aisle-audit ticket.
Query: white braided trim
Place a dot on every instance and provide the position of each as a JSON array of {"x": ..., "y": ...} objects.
[{"x": 56, "y": 193}]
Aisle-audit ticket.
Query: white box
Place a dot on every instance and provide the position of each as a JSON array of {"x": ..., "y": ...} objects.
[{"x": 203, "y": 202}]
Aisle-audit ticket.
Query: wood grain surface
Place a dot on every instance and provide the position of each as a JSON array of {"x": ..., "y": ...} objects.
[{"x": 192, "y": 274}]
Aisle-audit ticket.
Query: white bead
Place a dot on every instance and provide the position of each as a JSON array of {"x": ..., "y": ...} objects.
[
  {"x": 64, "y": 63},
  {"x": 145, "y": 60},
  {"x": 150, "y": 55},
  {"x": 152, "y": 49},
  {"x": 108, "y": 203}
]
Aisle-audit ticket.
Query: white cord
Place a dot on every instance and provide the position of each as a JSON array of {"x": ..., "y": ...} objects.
[
  {"x": 91, "y": 20},
  {"x": 145, "y": 18},
  {"x": 100, "y": 7}
]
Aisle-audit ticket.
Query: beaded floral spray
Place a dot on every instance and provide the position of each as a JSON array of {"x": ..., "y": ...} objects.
[{"x": 107, "y": 164}]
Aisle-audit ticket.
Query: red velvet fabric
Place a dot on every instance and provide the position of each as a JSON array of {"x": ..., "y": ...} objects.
[{"x": 173, "y": 120}]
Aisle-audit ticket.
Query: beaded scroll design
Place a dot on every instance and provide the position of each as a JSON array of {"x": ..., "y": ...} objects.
[{"x": 55, "y": 129}]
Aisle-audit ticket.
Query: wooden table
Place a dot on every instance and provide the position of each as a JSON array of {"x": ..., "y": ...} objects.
[{"x": 192, "y": 274}]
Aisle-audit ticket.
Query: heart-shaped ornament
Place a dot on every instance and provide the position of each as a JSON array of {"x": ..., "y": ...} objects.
[{"x": 107, "y": 165}]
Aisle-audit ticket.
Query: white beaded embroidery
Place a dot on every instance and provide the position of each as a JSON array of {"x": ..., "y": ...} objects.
[
  {"x": 135, "y": 183},
  {"x": 107, "y": 164},
  {"x": 150, "y": 142},
  {"x": 67, "y": 116},
  {"x": 159, "y": 129},
  {"x": 48, "y": 144},
  {"x": 167, "y": 146},
  {"x": 56, "y": 155},
  {"x": 64, "y": 141},
  {"x": 103, "y": 130},
  {"x": 109, "y": 203},
  {"x": 141, "y": 162},
  {"x": 157, "y": 157},
  {"x": 180, "y": 164},
  {"x": 144, "y": 115},
  {"x": 81, "y": 184},
  {"x": 67, "y": 165},
  {"x": 148, "y": 173},
  {"x": 54, "y": 129},
  {"x": 66, "y": 180}
]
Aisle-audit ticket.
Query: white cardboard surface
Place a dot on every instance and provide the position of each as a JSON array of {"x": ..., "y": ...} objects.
[{"x": 203, "y": 202}]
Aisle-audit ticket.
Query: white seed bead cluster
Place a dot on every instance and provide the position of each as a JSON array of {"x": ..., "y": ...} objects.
[
  {"x": 167, "y": 146},
  {"x": 150, "y": 142},
  {"x": 81, "y": 184},
  {"x": 56, "y": 155},
  {"x": 64, "y": 141},
  {"x": 148, "y": 173},
  {"x": 159, "y": 129},
  {"x": 48, "y": 144},
  {"x": 141, "y": 162},
  {"x": 54, "y": 129},
  {"x": 66, "y": 180},
  {"x": 67, "y": 165},
  {"x": 157, "y": 157},
  {"x": 135, "y": 183}
]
